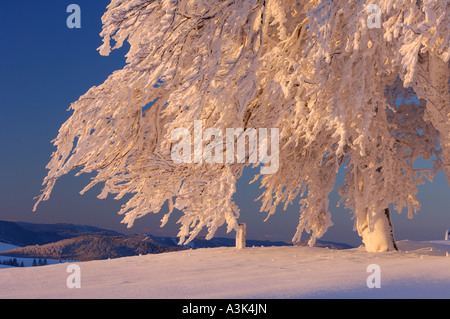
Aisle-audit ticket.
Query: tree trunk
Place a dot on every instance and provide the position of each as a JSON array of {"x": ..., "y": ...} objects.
[
  {"x": 373, "y": 222},
  {"x": 376, "y": 230}
]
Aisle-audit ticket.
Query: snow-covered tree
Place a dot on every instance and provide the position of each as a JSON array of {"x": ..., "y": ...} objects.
[{"x": 342, "y": 90}]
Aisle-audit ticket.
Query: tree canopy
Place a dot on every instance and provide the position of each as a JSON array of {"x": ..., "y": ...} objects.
[{"x": 341, "y": 92}]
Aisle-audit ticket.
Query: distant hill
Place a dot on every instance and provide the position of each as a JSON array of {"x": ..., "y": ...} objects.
[
  {"x": 202, "y": 242},
  {"x": 24, "y": 234},
  {"x": 91, "y": 247},
  {"x": 82, "y": 243}
]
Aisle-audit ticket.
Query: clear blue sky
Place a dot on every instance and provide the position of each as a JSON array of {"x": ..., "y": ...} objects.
[{"x": 45, "y": 66}]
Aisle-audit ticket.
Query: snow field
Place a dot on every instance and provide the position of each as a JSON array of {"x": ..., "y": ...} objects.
[{"x": 420, "y": 270}]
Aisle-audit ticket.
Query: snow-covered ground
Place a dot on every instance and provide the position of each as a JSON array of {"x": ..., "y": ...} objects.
[{"x": 419, "y": 270}]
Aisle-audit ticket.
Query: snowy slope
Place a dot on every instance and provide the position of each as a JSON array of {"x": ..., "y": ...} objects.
[
  {"x": 420, "y": 270},
  {"x": 5, "y": 246}
]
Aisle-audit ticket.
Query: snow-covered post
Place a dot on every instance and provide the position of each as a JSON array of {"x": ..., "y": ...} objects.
[{"x": 240, "y": 236}]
